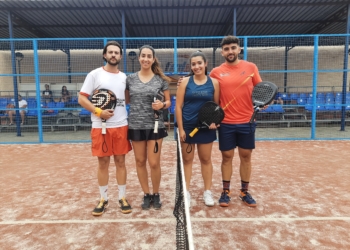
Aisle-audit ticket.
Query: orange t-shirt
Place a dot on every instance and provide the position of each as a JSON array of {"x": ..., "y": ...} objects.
[{"x": 236, "y": 86}]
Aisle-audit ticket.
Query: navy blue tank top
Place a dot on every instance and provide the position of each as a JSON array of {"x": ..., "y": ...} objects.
[{"x": 195, "y": 97}]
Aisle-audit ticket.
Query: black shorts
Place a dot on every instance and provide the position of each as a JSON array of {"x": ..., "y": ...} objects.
[
  {"x": 236, "y": 135},
  {"x": 146, "y": 134}
]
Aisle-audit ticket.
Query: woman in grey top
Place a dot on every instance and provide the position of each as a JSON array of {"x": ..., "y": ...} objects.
[{"x": 140, "y": 90}]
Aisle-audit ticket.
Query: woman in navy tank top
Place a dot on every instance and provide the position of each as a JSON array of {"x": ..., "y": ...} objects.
[{"x": 193, "y": 92}]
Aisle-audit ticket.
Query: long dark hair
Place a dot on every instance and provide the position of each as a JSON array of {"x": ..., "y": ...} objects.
[
  {"x": 64, "y": 91},
  {"x": 201, "y": 54},
  {"x": 156, "y": 69}
]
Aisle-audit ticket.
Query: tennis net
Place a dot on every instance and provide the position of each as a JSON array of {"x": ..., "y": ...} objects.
[{"x": 184, "y": 237}]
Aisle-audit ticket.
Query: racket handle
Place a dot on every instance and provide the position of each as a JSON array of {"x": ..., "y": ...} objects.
[
  {"x": 103, "y": 127},
  {"x": 155, "y": 127},
  {"x": 194, "y": 132},
  {"x": 256, "y": 110}
]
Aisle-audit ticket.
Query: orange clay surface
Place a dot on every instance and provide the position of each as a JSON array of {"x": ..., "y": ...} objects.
[{"x": 302, "y": 189}]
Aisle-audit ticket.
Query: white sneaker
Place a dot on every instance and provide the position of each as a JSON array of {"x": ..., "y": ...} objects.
[
  {"x": 208, "y": 198},
  {"x": 188, "y": 199}
]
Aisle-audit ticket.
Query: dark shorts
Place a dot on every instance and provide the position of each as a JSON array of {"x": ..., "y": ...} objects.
[
  {"x": 201, "y": 137},
  {"x": 146, "y": 134},
  {"x": 236, "y": 135}
]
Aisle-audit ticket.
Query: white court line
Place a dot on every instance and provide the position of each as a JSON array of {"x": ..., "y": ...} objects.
[{"x": 172, "y": 220}]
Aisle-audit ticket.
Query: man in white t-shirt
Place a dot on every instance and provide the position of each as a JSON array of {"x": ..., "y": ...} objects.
[
  {"x": 22, "y": 104},
  {"x": 115, "y": 142}
]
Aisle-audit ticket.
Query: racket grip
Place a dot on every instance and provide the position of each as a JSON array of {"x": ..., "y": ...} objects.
[
  {"x": 256, "y": 110},
  {"x": 103, "y": 128},
  {"x": 155, "y": 127},
  {"x": 194, "y": 132}
]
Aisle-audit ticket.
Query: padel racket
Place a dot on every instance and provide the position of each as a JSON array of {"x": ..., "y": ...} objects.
[
  {"x": 209, "y": 113},
  {"x": 263, "y": 93},
  {"x": 104, "y": 99},
  {"x": 158, "y": 95}
]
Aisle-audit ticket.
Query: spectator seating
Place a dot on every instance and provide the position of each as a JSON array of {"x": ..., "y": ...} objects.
[
  {"x": 303, "y": 96},
  {"x": 294, "y": 96}
]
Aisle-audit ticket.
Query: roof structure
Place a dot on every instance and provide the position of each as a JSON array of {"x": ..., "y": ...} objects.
[{"x": 171, "y": 18}]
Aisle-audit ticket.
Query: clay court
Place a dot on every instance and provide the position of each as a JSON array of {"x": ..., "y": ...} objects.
[{"x": 301, "y": 187}]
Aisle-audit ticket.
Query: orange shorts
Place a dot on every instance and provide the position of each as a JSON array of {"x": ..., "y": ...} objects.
[{"x": 114, "y": 142}]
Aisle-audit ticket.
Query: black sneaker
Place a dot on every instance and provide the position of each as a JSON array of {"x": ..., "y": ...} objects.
[
  {"x": 146, "y": 204},
  {"x": 157, "y": 204},
  {"x": 101, "y": 207},
  {"x": 125, "y": 206}
]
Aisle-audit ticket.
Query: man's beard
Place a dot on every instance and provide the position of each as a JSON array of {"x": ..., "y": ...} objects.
[
  {"x": 231, "y": 60},
  {"x": 113, "y": 63}
]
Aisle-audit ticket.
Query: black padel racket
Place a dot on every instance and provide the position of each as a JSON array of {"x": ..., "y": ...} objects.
[
  {"x": 263, "y": 93},
  {"x": 209, "y": 113},
  {"x": 158, "y": 95},
  {"x": 104, "y": 99}
]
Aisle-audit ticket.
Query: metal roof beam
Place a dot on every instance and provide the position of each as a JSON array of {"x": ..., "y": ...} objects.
[
  {"x": 339, "y": 15},
  {"x": 132, "y": 8},
  {"x": 19, "y": 22},
  {"x": 132, "y": 33}
]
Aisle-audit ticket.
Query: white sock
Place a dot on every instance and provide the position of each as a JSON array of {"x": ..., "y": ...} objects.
[
  {"x": 121, "y": 189},
  {"x": 104, "y": 192}
]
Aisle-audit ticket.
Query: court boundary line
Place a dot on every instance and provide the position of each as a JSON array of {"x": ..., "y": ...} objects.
[{"x": 167, "y": 220}]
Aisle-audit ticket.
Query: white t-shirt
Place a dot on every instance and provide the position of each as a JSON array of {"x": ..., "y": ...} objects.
[
  {"x": 22, "y": 103},
  {"x": 116, "y": 82}
]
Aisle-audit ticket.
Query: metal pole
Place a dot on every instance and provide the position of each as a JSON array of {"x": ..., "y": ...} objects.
[
  {"x": 124, "y": 42},
  {"x": 234, "y": 21},
  {"x": 345, "y": 67},
  {"x": 13, "y": 62}
]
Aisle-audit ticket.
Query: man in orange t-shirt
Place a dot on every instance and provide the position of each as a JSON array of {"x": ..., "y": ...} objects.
[{"x": 237, "y": 79}]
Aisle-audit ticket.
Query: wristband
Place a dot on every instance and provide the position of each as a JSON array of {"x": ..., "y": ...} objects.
[
  {"x": 164, "y": 105},
  {"x": 97, "y": 112}
]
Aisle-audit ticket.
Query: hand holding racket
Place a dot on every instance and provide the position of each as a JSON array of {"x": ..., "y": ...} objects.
[
  {"x": 263, "y": 93},
  {"x": 209, "y": 113},
  {"x": 104, "y": 99}
]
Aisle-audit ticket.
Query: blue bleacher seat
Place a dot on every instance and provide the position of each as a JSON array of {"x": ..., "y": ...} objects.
[
  {"x": 3, "y": 108},
  {"x": 60, "y": 105},
  {"x": 294, "y": 96},
  {"x": 50, "y": 111},
  {"x": 301, "y": 101},
  {"x": 73, "y": 101},
  {"x": 303, "y": 95},
  {"x": 329, "y": 95},
  {"x": 269, "y": 109},
  {"x": 338, "y": 98},
  {"x": 31, "y": 99},
  {"x": 320, "y": 100},
  {"x": 329, "y": 100},
  {"x": 308, "y": 107},
  {"x": 285, "y": 96},
  {"x": 277, "y": 108},
  {"x": 320, "y": 95}
]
